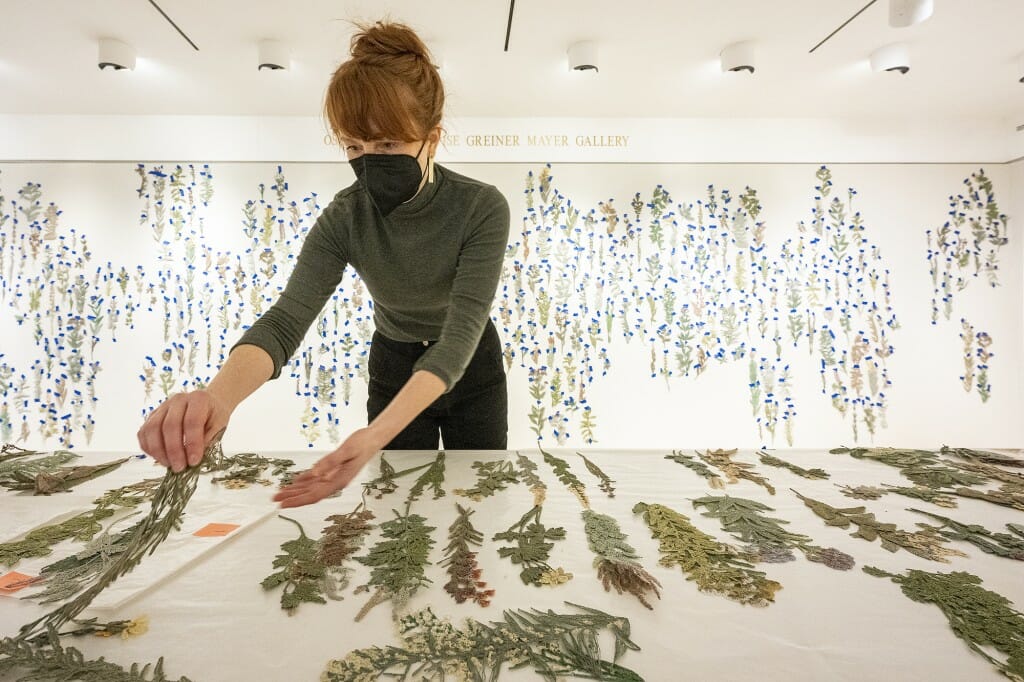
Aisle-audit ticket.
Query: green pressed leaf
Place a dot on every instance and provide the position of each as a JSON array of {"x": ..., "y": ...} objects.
[
  {"x": 531, "y": 548},
  {"x": 691, "y": 463},
  {"x": 398, "y": 562},
  {"x": 773, "y": 461},
  {"x": 733, "y": 470},
  {"x": 491, "y": 478},
  {"x": 617, "y": 563},
  {"x": 465, "y": 582},
  {"x": 999, "y": 544},
  {"x": 607, "y": 485},
  {"x": 567, "y": 478}
]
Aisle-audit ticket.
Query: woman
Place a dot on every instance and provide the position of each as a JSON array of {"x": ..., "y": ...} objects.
[{"x": 427, "y": 242}]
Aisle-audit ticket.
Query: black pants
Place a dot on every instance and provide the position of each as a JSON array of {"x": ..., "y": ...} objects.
[{"x": 472, "y": 416}]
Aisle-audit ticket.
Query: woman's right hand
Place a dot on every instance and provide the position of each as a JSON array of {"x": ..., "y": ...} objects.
[{"x": 177, "y": 432}]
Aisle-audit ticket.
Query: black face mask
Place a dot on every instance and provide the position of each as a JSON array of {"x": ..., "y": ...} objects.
[{"x": 389, "y": 179}]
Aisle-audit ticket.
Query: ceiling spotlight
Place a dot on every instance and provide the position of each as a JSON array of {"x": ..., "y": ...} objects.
[
  {"x": 273, "y": 55},
  {"x": 893, "y": 57},
  {"x": 903, "y": 13},
  {"x": 583, "y": 56},
  {"x": 115, "y": 55},
  {"x": 738, "y": 57}
]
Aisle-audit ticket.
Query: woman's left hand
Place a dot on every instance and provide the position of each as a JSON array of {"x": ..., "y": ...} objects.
[{"x": 333, "y": 472}]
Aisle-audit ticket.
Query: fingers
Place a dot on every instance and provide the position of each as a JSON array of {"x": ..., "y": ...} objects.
[
  {"x": 172, "y": 434},
  {"x": 150, "y": 439},
  {"x": 193, "y": 425}
]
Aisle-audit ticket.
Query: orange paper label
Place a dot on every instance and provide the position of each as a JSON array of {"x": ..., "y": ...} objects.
[
  {"x": 215, "y": 530},
  {"x": 14, "y": 581}
]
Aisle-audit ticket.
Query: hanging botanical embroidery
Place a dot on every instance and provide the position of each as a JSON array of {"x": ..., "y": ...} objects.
[
  {"x": 983, "y": 619},
  {"x": 715, "y": 566},
  {"x": 766, "y": 537},
  {"x": 925, "y": 543},
  {"x": 465, "y": 582},
  {"x": 553, "y": 645}
]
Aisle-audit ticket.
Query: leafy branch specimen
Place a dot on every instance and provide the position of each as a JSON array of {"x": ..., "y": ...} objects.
[
  {"x": 339, "y": 542},
  {"x": 923, "y": 467},
  {"x": 773, "y": 461},
  {"x": 528, "y": 472},
  {"x": 433, "y": 476},
  {"x": 567, "y": 478},
  {"x": 62, "y": 479},
  {"x": 532, "y": 549},
  {"x": 733, "y": 470},
  {"x": 982, "y": 456},
  {"x": 554, "y": 645},
  {"x": 1005, "y": 496},
  {"x": 301, "y": 573},
  {"x": 616, "y": 562},
  {"x": 51, "y": 661},
  {"x": 385, "y": 484},
  {"x": 91, "y": 626},
  {"x": 607, "y": 485},
  {"x": 766, "y": 537},
  {"x": 67, "y": 577},
  {"x": 17, "y": 471},
  {"x": 690, "y": 462},
  {"x": 398, "y": 561},
  {"x": 1000, "y": 544},
  {"x": 867, "y": 492},
  {"x": 248, "y": 468},
  {"x": 926, "y": 543},
  {"x": 714, "y": 566},
  {"x": 460, "y": 560},
  {"x": 979, "y": 617},
  {"x": 491, "y": 477},
  {"x": 11, "y": 451}
]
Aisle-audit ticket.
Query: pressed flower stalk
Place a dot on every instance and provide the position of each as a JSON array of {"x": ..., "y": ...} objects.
[
  {"x": 465, "y": 583},
  {"x": 432, "y": 477},
  {"x": 773, "y": 461},
  {"x": 398, "y": 561},
  {"x": 607, "y": 485},
  {"x": 568, "y": 479},
  {"x": 20, "y": 474},
  {"x": 11, "y": 451},
  {"x": 1005, "y": 496},
  {"x": 863, "y": 492},
  {"x": 491, "y": 478},
  {"x": 715, "y": 566},
  {"x": 62, "y": 479},
  {"x": 528, "y": 474},
  {"x": 925, "y": 543},
  {"x": 695, "y": 465},
  {"x": 531, "y": 549},
  {"x": 338, "y": 544},
  {"x": 766, "y": 537},
  {"x": 982, "y": 456},
  {"x": 616, "y": 562},
  {"x": 733, "y": 470},
  {"x": 1000, "y": 544},
  {"x": 302, "y": 575},
  {"x": 385, "y": 483},
  {"x": 983, "y": 619},
  {"x": 866, "y": 492},
  {"x": 554, "y": 645},
  {"x": 923, "y": 467},
  {"x": 248, "y": 468},
  {"x": 125, "y": 629}
]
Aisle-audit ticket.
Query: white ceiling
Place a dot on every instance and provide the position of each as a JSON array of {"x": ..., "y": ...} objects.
[{"x": 658, "y": 58}]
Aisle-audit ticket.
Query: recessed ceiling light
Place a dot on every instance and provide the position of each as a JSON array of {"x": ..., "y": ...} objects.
[
  {"x": 115, "y": 55},
  {"x": 892, "y": 58},
  {"x": 738, "y": 57},
  {"x": 583, "y": 56},
  {"x": 273, "y": 55}
]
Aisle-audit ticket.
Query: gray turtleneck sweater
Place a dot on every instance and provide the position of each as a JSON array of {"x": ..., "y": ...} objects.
[{"x": 431, "y": 266}]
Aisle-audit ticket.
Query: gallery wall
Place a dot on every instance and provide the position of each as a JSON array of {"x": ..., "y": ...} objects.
[{"x": 642, "y": 305}]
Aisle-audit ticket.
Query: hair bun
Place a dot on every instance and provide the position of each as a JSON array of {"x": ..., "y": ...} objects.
[{"x": 386, "y": 40}]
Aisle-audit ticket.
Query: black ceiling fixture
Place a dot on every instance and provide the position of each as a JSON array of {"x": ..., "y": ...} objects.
[
  {"x": 171, "y": 22},
  {"x": 508, "y": 29},
  {"x": 843, "y": 25}
]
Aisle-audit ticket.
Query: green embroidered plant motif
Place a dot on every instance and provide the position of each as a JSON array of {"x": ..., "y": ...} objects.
[
  {"x": 773, "y": 461},
  {"x": 51, "y": 661},
  {"x": 982, "y": 456},
  {"x": 616, "y": 562},
  {"x": 398, "y": 561},
  {"x": 567, "y": 478},
  {"x": 20, "y": 474},
  {"x": 11, "y": 451},
  {"x": 248, "y": 468},
  {"x": 491, "y": 477},
  {"x": 938, "y": 476},
  {"x": 690, "y": 462},
  {"x": 532, "y": 549},
  {"x": 554, "y": 645},
  {"x": 607, "y": 485},
  {"x": 923, "y": 467},
  {"x": 1016, "y": 529},
  {"x": 39, "y": 542},
  {"x": 528, "y": 474},
  {"x": 994, "y": 473},
  {"x": 302, "y": 575},
  {"x": 463, "y": 570},
  {"x": 980, "y": 617},
  {"x": 1006, "y": 496},
  {"x": 894, "y": 457},
  {"x": 862, "y": 492},
  {"x": 865, "y": 492},
  {"x": 61, "y": 479},
  {"x": 766, "y": 537},
  {"x": 339, "y": 542},
  {"x": 733, "y": 470},
  {"x": 67, "y": 577},
  {"x": 1000, "y": 544},
  {"x": 715, "y": 566},
  {"x": 385, "y": 483},
  {"x": 125, "y": 629},
  {"x": 433, "y": 477},
  {"x": 925, "y": 543}
]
